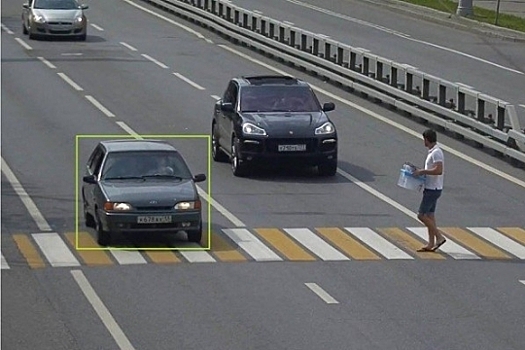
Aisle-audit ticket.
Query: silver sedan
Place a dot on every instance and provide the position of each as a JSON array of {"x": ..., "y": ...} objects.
[{"x": 58, "y": 18}]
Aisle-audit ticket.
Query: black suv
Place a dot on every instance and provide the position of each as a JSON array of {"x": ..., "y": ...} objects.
[{"x": 273, "y": 118}]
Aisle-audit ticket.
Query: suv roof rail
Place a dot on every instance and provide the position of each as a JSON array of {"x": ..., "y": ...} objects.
[{"x": 270, "y": 79}]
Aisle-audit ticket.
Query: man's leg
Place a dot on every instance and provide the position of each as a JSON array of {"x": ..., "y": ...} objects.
[{"x": 425, "y": 209}]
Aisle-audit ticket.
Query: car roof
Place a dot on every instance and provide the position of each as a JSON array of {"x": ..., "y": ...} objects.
[
  {"x": 137, "y": 145},
  {"x": 269, "y": 80}
]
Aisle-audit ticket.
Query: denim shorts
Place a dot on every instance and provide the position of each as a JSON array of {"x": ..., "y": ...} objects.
[{"x": 429, "y": 201}]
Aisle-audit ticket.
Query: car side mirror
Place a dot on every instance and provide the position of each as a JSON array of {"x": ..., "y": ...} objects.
[
  {"x": 90, "y": 179},
  {"x": 328, "y": 106},
  {"x": 199, "y": 178},
  {"x": 26, "y": 5},
  {"x": 227, "y": 107},
  {"x": 84, "y": 7}
]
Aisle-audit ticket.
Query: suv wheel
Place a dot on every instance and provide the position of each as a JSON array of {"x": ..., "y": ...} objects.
[
  {"x": 103, "y": 237},
  {"x": 216, "y": 152},
  {"x": 238, "y": 168},
  {"x": 327, "y": 169}
]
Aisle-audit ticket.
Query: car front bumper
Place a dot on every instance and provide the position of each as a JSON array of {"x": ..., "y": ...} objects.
[
  {"x": 58, "y": 30},
  {"x": 129, "y": 222}
]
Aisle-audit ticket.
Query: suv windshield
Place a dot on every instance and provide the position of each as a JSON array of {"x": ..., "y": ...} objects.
[{"x": 278, "y": 99}]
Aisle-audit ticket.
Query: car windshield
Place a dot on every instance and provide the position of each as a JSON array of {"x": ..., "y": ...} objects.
[
  {"x": 278, "y": 99},
  {"x": 145, "y": 164},
  {"x": 56, "y": 4}
]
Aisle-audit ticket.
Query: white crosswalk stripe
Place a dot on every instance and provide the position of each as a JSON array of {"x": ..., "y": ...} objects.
[
  {"x": 55, "y": 250},
  {"x": 5, "y": 265},
  {"x": 128, "y": 257},
  {"x": 378, "y": 243},
  {"x": 500, "y": 240},
  {"x": 251, "y": 244},
  {"x": 315, "y": 244},
  {"x": 451, "y": 248},
  {"x": 197, "y": 256}
]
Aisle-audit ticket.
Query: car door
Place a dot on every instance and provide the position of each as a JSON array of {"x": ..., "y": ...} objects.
[
  {"x": 93, "y": 167},
  {"x": 226, "y": 118},
  {"x": 25, "y": 12}
]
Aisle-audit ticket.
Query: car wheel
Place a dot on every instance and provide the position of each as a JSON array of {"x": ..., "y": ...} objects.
[
  {"x": 24, "y": 29},
  {"x": 32, "y": 36},
  {"x": 328, "y": 168},
  {"x": 195, "y": 236},
  {"x": 82, "y": 37},
  {"x": 103, "y": 237},
  {"x": 216, "y": 152},
  {"x": 238, "y": 168}
]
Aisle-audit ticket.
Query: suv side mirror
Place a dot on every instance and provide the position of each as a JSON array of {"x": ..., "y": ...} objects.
[
  {"x": 90, "y": 179},
  {"x": 227, "y": 107},
  {"x": 328, "y": 106},
  {"x": 199, "y": 178}
]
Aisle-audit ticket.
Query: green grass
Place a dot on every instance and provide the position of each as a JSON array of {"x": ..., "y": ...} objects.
[{"x": 480, "y": 14}]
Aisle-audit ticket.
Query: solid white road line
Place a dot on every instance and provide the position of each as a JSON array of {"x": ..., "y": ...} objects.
[
  {"x": 192, "y": 83},
  {"x": 321, "y": 293},
  {"x": 7, "y": 30},
  {"x": 251, "y": 244},
  {"x": 70, "y": 82},
  {"x": 315, "y": 244},
  {"x": 450, "y": 247},
  {"x": 55, "y": 250},
  {"x": 129, "y": 130},
  {"x": 128, "y": 46},
  {"x": 24, "y": 197},
  {"x": 522, "y": 281},
  {"x": 522, "y": 106},
  {"x": 47, "y": 63},
  {"x": 24, "y": 44},
  {"x": 377, "y": 116},
  {"x": 5, "y": 265},
  {"x": 225, "y": 212},
  {"x": 100, "y": 106},
  {"x": 500, "y": 240},
  {"x": 158, "y": 63},
  {"x": 125, "y": 257},
  {"x": 197, "y": 256},
  {"x": 216, "y": 97},
  {"x": 102, "y": 311},
  {"x": 378, "y": 243},
  {"x": 97, "y": 27}
]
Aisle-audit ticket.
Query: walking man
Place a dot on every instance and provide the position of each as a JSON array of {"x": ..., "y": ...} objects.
[{"x": 434, "y": 169}]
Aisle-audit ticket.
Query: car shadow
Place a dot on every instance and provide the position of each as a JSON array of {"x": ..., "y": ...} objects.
[{"x": 89, "y": 39}]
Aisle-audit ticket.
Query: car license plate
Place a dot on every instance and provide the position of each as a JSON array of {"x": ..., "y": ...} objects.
[
  {"x": 291, "y": 148},
  {"x": 154, "y": 219}
]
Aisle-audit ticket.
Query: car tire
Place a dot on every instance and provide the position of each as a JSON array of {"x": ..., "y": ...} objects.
[
  {"x": 217, "y": 154},
  {"x": 328, "y": 168},
  {"x": 238, "y": 167},
  {"x": 24, "y": 29},
  {"x": 195, "y": 236},
  {"x": 31, "y": 36},
  {"x": 103, "y": 237},
  {"x": 82, "y": 37}
]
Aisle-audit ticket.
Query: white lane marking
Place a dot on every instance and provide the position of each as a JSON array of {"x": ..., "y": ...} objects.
[
  {"x": 55, "y": 250},
  {"x": 251, "y": 244},
  {"x": 500, "y": 240},
  {"x": 102, "y": 311},
  {"x": 378, "y": 243},
  {"x": 125, "y": 257},
  {"x": 216, "y": 97},
  {"x": 97, "y": 27},
  {"x": 450, "y": 247},
  {"x": 158, "y": 63},
  {"x": 209, "y": 41},
  {"x": 202, "y": 193},
  {"x": 377, "y": 116},
  {"x": 47, "y": 63},
  {"x": 7, "y": 30},
  {"x": 71, "y": 54},
  {"x": 400, "y": 34},
  {"x": 128, "y": 46},
  {"x": 197, "y": 256},
  {"x": 522, "y": 106},
  {"x": 24, "y": 44},
  {"x": 5, "y": 265},
  {"x": 522, "y": 281},
  {"x": 99, "y": 106},
  {"x": 321, "y": 293},
  {"x": 315, "y": 244},
  {"x": 182, "y": 77},
  {"x": 188, "y": 29},
  {"x": 24, "y": 197},
  {"x": 70, "y": 82}
]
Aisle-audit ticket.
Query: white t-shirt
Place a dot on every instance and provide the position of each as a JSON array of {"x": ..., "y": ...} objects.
[{"x": 435, "y": 155}]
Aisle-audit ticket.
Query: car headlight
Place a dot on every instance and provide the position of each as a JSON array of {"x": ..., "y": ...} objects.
[
  {"x": 189, "y": 205},
  {"x": 39, "y": 19},
  {"x": 117, "y": 206},
  {"x": 79, "y": 19},
  {"x": 326, "y": 128},
  {"x": 250, "y": 129}
]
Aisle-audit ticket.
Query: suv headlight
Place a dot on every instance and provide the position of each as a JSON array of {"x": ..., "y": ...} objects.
[
  {"x": 188, "y": 205},
  {"x": 251, "y": 129},
  {"x": 117, "y": 206},
  {"x": 326, "y": 128}
]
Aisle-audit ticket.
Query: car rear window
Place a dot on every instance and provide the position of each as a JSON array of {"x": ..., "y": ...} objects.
[{"x": 271, "y": 98}]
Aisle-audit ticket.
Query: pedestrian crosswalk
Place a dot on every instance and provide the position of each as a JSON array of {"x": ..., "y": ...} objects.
[{"x": 53, "y": 249}]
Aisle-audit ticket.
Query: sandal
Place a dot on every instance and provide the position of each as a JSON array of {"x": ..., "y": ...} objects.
[
  {"x": 425, "y": 249},
  {"x": 439, "y": 245}
]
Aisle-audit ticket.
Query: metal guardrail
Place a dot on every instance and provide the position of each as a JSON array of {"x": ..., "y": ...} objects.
[{"x": 487, "y": 120}]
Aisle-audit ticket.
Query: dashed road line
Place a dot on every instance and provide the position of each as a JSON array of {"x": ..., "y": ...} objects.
[
  {"x": 24, "y": 44},
  {"x": 70, "y": 82},
  {"x": 128, "y": 46},
  {"x": 47, "y": 63},
  {"x": 158, "y": 63},
  {"x": 4, "y": 264},
  {"x": 321, "y": 293},
  {"x": 129, "y": 130},
  {"x": 215, "y": 97},
  {"x": 99, "y": 106},
  {"x": 192, "y": 83},
  {"x": 6, "y": 29},
  {"x": 99, "y": 28}
]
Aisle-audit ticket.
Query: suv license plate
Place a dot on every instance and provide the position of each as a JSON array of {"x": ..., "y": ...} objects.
[
  {"x": 291, "y": 148},
  {"x": 154, "y": 219}
]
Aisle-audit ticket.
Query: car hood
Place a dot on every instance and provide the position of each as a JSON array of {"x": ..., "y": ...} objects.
[
  {"x": 59, "y": 15},
  {"x": 283, "y": 123},
  {"x": 141, "y": 193}
]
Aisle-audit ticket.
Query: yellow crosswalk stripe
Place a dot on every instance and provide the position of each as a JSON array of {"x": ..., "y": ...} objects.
[
  {"x": 29, "y": 251},
  {"x": 223, "y": 250},
  {"x": 514, "y": 232},
  {"x": 476, "y": 244},
  {"x": 90, "y": 257},
  {"x": 408, "y": 241},
  {"x": 347, "y": 244},
  {"x": 284, "y": 244},
  {"x": 162, "y": 256}
]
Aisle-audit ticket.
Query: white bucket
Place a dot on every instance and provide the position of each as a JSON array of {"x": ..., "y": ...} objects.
[{"x": 409, "y": 181}]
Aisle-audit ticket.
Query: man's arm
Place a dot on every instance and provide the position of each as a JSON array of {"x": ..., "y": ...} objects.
[{"x": 436, "y": 170}]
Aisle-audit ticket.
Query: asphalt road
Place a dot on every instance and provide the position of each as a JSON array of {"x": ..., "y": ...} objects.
[{"x": 128, "y": 66}]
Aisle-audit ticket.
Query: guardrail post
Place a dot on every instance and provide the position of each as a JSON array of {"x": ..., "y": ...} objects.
[
  {"x": 379, "y": 70},
  {"x": 480, "y": 113},
  {"x": 366, "y": 66},
  {"x": 353, "y": 61},
  {"x": 500, "y": 118},
  {"x": 263, "y": 26},
  {"x": 254, "y": 23},
  {"x": 292, "y": 39},
  {"x": 245, "y": 20},
  {"x": 461, "y": 102},
  {"x": 271, "y": 33},
  {"x": 236, "y": 17},
  {"x": 426, "y": 88},
  {"x": 340, "y": 56},
  {"x": 328, "y": 51},
  {"x": 199, "y": 3},
  {"x": 221, "y": 9},
  {"x": 393, "y": 76},
  {"x": 207, "y": 5},
  {"x": 315, "y": 49},
  {"x": 228, "y": 13},
  {"x": 409, "y": 82},
  {"x": 281, "y": 34},
  {"x": 304, "y": 42},
  {"x": 214, "y": 7}
]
